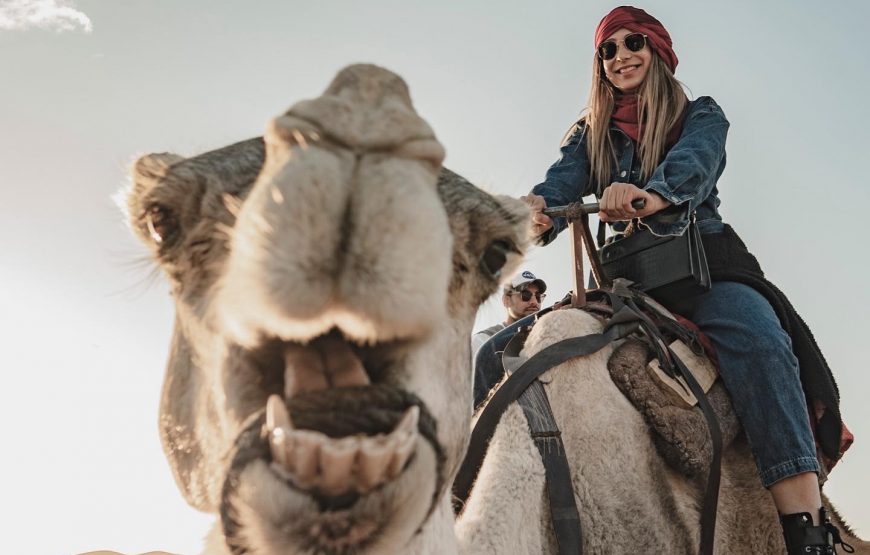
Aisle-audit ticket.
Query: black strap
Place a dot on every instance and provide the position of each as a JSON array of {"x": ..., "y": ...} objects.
[
  {"x": 513, "y": 387},
  {"x": 488, "y": 370},
  {"x": 711, "y": 496},
  {"x": 564, "y": 515}
]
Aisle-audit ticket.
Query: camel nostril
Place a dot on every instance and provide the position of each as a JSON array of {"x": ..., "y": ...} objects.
[
  {"x": 427, "y": 149},
  {"x": 290, "y": 130}
]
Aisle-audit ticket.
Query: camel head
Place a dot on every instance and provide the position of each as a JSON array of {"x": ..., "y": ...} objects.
[{"x": 326, "y": 278}]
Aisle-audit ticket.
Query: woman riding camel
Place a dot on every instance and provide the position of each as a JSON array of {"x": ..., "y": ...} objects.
[{"x": 641, "y": 138}]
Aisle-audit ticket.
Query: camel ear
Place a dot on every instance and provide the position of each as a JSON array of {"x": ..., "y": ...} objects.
[{"x": 154, "y": 166}]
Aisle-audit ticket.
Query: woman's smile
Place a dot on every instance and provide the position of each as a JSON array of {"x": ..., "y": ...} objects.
[{"x": 626, "y": 70}]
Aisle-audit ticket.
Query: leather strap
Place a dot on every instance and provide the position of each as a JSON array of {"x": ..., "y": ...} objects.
[
  {"x": 513, "y": 387},
  {"x": 564, "y": 516},
  {"x": 711, "y": 496}
]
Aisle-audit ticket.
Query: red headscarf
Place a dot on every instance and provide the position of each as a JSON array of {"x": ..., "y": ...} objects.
[{"x": 638, "y": 21}]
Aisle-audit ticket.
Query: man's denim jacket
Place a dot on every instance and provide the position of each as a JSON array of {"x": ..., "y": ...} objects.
[{"x": 686, "y": 177}]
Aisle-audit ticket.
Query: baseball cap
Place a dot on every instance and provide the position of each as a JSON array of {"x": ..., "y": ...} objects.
[{"x": 523, "y": 279}]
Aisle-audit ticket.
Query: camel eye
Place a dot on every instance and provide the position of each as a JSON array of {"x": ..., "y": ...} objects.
[
  {"x": 495, "y": 257},
  {"x": 161, "y": 223}
]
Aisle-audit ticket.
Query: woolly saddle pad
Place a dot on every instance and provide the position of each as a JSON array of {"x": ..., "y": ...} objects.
[{"x": 680, "y": 433}]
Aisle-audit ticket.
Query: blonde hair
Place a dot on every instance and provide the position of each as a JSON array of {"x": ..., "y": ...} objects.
[{"x": 661, "y": 102}]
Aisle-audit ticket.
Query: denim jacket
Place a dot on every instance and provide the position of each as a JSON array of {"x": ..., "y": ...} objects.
[{"x": 686, "y": 177}]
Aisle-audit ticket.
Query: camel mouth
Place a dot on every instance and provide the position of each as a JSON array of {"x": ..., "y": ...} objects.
[
  {"x": 341, "y": 443},
  {"x": 336, "y": 435},
  {"x": 328, "y": 361},
  {"x": 337, "y": 423},
  {"x": 338, "y": 453}
]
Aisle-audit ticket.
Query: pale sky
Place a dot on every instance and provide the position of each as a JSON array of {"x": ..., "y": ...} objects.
[{"x": 88, "y": 85}]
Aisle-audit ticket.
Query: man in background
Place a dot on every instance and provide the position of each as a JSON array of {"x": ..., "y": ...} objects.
[{"x": 521, "y": 297}]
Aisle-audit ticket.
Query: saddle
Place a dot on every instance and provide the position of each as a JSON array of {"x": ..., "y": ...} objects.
[{"x": 678, "y": 427}]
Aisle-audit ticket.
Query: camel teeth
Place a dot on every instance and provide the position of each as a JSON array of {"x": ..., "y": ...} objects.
[
  {"x": 303, "y": 370},
  {"x": 401, "y": 456},
  {"x": 276, "y": 414},
  {"x": 337, "y": 459},
  {"x": 375, "y": 454},
  {"x": 277, "y": 442},
  {"x": 405, "y": 436},
  {"x": 409, "y": 422},
  {"x": 306, "y": 456},
  {"x": 314, "y": 460}
]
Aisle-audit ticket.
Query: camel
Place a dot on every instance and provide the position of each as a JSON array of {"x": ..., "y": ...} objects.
[{"x": 318, "y": 391}]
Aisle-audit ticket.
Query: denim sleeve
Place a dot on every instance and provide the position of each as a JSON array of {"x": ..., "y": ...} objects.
[
  {"x": 566, "y": 181},
  {"x": 691, "y": 167}
]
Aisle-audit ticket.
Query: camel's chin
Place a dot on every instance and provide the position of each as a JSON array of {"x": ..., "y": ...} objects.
[{"x": 265, "y": 512}]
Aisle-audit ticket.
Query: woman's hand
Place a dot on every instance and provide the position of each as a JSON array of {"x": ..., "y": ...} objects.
[
  {"x": 616, "y": 202},
  {"x": 540, "y": 221}
]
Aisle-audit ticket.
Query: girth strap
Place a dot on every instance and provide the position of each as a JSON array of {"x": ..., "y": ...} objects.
[
  {"x": 564, "y": 516},
  {"x": 548, "y": 439},
  {"x": 711, "y": 496},
  {"x": 514, "y": 386}
]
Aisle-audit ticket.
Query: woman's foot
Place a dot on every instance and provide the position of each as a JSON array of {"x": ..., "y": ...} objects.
[{"x": 804, "y": 538}]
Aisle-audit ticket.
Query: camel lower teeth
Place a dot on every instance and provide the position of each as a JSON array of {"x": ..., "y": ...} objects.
[
  {"x": 312, "y": 460},
  {"x": 338, "y": 459}
]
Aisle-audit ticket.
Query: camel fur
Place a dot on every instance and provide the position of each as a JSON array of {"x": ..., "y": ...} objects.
[{"x": 318, "y": 397}]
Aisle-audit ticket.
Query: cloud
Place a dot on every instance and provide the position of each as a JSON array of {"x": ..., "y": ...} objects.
[{"x": 55, "y": 15}]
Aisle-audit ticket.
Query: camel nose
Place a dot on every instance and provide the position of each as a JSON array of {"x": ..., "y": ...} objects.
[
  {"x": 346, "y": 205},
  {"x": 366, "y": 108}
]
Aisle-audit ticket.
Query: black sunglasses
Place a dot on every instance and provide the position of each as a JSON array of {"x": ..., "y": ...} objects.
[
  {"x": 526, "y": 295},
  {"x": 633, "y": 41}
]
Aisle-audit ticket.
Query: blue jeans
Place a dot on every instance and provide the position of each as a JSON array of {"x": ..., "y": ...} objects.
[{"x": 760, "y": 372}]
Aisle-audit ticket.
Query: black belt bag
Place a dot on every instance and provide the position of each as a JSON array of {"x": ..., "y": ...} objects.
[{"x": 670, "y": 269}]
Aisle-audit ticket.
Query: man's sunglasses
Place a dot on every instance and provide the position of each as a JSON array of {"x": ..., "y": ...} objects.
[
  {"x": 526, "y": 295},
  {"x": 633, "y": 41}
]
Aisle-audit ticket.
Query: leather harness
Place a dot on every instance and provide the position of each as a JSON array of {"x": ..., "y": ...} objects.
[{"x": 522, "y": 385}]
